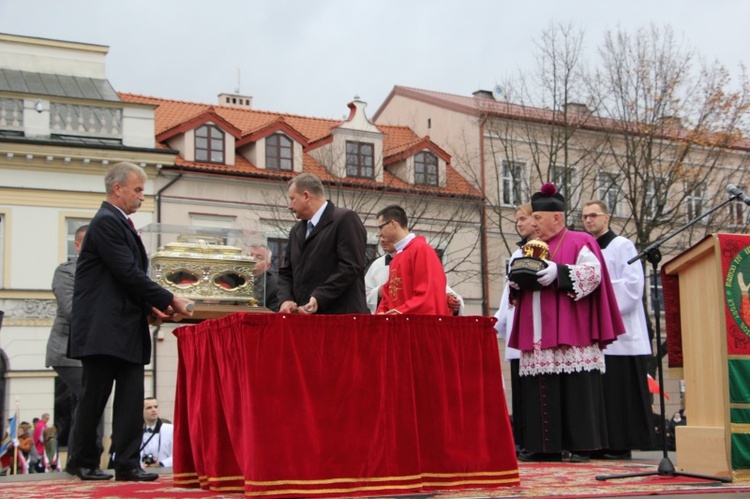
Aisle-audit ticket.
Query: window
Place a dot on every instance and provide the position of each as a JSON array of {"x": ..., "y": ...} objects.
[
  {"x": 654, "y": 294},
  {"x": 209, "y": 144},
  {"x": 371, "y": 254},
  {"x": 426, "y": 169},
  {"x": 279, "y": 153},
  {"x": 360, "y": 160},
  {"x": 440, "y": 253},
  {"x": 514, "y": 184},
  {"x": 694, "y": 200},
  {"x": 656, "y": 196},
  {"x": 278, "y": 251},
  {"x": 608, "y": 190},
  {"x": 72, "y": 225},
  {"x": 564, "y": 178},
  {"x": 736, "y": 214}
]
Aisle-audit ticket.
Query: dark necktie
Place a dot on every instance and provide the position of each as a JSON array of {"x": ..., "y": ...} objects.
[
  {"x": 388, "y": 259},
  {"x": 131, "y": 223},
  {"x": 310, "y": 227},
  {"x": 149, "y": 430}
]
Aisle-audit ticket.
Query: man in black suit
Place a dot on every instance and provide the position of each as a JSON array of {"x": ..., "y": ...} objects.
[
  {"x": 113, "y": 302},
  {"x": 324, "y": 267}
]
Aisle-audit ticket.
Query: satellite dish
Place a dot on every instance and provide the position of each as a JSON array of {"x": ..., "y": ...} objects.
[{"x": 497, "y": 92}]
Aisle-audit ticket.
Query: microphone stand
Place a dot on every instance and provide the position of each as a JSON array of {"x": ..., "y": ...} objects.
[{"x": 653, "y": 255}]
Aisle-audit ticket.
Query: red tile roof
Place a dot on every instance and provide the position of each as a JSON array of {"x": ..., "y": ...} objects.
[
  {"x": 476, "y": 106},
  {"x": 173, "y": 117}
]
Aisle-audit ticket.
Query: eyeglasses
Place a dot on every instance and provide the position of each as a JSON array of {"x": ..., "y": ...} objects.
[
  {"x": 380, "y": 227},
  {"x": 592, "y": 215}
]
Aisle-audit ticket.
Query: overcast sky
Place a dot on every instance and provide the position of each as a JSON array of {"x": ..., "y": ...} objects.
[{"x": 311, "y": 57}]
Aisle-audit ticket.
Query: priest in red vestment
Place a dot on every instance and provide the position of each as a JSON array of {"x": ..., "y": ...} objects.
[{"x": 416, "y": 279}]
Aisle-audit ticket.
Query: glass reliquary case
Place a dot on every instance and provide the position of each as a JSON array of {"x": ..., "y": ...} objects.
[{"x": 209, "y": 265}]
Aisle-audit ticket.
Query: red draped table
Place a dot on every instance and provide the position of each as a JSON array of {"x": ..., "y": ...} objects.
[{"x": 291, "y": 405}]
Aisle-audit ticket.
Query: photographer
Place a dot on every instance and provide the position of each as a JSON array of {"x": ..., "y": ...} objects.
[{"x": 156, "y": 447}]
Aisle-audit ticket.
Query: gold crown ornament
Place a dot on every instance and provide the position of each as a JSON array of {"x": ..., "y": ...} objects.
[{"x": 523, "y": 269}]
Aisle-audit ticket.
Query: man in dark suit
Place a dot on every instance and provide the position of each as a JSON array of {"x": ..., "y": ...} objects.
[
  {"x": 68, "y": 370},
  {"x": 324, "y": 267},
  {"x": 113, "y": 302}
]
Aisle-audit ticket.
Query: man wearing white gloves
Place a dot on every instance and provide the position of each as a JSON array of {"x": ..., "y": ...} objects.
[{"x": 561, "y": 331}]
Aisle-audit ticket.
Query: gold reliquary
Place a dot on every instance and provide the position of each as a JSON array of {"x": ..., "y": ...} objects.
[{"x": 204, "y": 269}]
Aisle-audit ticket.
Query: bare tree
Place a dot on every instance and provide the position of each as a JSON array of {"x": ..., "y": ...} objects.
[
  {"x": 673, "y": 135},
  {"x": 539, "y": 132}
]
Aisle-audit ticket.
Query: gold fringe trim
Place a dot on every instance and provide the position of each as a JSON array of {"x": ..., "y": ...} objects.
[
  {"x": 385, "y": 478},
  {"x": 311, "y": 492}
]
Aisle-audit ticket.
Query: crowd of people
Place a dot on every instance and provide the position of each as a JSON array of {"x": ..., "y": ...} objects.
[{"x": 576, "y": 337}]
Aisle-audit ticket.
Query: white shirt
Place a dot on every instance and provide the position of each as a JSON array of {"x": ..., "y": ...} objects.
[
  {"x": 316, "y": 218},
  {"x": 160, "y": 446},
  {"x": 504, "y": 316},
  {"x": 628, "y": 283}
]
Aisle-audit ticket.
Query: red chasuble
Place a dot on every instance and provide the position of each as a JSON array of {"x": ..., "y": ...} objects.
[{"x": 416, "y": 282}]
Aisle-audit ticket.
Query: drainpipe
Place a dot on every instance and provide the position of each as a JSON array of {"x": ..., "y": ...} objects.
[
  {"x": 158, "y": 196},
  {"x": 155, "y": 338},
  {"x": 483, "y": 222}
]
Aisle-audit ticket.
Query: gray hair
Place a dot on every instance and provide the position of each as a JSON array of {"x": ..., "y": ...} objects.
[
  {"x": 119, "y": 174},
  {"x": 269, "y": 253},
  {"x": 308, "y": 182}
]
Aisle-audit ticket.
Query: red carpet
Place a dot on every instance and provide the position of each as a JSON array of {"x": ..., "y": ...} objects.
[{"x": 537, "y": 480}]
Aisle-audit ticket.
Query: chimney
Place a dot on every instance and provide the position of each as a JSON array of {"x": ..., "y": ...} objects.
[
  {"x": 236, "y": 100},
  {"x": 483, "y": 94},
  {"x": 576, "y": 107},
  {"x": 670, "y": 121}
]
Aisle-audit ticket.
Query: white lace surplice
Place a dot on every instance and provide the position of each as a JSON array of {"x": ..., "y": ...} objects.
[{"x": 586, "y": 276}]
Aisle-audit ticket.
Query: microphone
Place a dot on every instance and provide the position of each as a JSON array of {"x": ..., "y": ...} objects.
[{"x": 737, "y": 192}]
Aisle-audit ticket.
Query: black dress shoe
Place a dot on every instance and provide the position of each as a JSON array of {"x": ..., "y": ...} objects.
[
  {"x": 91, "y": 474},
  {"x": 135, "y": 475},
  {"x": 618, "y": 455},
  {"x": 540, "y": 457},
  {"x": 579, "y": 457}
]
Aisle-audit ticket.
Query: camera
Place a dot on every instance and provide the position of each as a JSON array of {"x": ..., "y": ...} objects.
[{"x": 149, "y": 459}]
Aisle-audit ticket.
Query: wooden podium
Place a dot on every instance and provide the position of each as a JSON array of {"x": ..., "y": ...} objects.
[{"x": 707, "y": 306}]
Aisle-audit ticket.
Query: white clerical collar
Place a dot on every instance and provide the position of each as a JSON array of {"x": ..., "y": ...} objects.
[
  {"x": 316, "y": 218},
  {"x": 399, "y": 246}
]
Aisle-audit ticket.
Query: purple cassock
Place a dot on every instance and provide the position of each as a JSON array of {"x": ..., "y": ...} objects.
[{"x": 578, "y": 316}]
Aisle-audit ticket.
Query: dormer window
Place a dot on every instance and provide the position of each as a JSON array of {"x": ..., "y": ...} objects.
[
  {"x": 209, "y": 144},
  {"x": 426, "y": 169},
  {"x": 279, "y": 152},
  {"x": 360, "y": 159}
]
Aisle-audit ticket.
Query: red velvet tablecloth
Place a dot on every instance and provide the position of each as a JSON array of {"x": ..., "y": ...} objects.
[{"x": 291, "y": 405}]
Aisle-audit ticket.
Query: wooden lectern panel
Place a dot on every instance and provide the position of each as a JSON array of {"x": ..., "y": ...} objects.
[{"x": 703, "y": 447}]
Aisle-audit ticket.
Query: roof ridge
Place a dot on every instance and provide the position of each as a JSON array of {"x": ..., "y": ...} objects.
[{"x": 251, "y": 110}]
